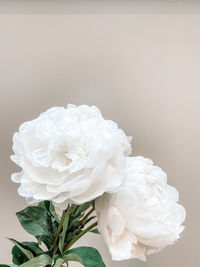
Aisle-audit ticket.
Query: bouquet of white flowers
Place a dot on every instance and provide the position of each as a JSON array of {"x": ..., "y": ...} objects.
[{"x": 74, "y": 159}]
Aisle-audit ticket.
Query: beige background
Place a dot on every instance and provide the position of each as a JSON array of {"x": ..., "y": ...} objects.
[{"x": 141, "y": 70}]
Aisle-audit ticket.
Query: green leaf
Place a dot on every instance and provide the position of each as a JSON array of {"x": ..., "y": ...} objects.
[
  {"x": 73, "y": 208},
  {"x": 26, "y": 252},
  {"x": 71, "y": 236},
  {"x": 56, "y": 257},
  {"x": 48, "y": 205},
  {"x": 36, "y": 221},
  {"x": 82, "y": 208},
  {"x": 87, "y": 256},
  {"x": 40, "y": 261},
  {"x": 18, "y": 257},
  {"x": 5, "y": 265},
  {"x": 64, "y": 231},
  {"x": 44, "y": 204},
  {"x": 55, "y": 218},
  {"x": 18, "y": 254},
  {"x": 59, "y": 262},
  {"x": 53, "y": 212},
  {"x": 89, "y": 219},
  {"x": 33, "y": 247},
  {"x": 74, "y": 223},
  {"x": 95, "y": 231},
  {"x": 46, "y": 240}
]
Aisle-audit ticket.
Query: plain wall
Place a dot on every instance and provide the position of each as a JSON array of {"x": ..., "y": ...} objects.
[{"x": 141, "y": 70}]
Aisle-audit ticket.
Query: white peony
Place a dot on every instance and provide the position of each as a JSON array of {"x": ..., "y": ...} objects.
[
  {"x": 69, "y": 155},
  {"x": 142, "y": 216}
]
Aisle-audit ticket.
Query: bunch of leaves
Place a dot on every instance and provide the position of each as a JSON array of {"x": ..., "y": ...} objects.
[{"x": 58, "y": 234}]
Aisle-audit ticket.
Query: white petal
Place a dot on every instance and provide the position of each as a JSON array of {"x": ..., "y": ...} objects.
[
  {"x": 41, "y": 157},
  {"x": 16, "y": 159},
  {"x": 16, "y": 177},
  {"x": 116, "y": 223}
]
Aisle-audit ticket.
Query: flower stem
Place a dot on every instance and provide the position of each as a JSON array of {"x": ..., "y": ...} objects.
[
  {"x": 55, "y": 247},
  {"x": 73, "y": 210},
  {"x": 80, "y": 235},
  {"x": 82, "y": 222}
]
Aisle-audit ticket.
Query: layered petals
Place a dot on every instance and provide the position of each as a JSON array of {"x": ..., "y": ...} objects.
[
  {"x": 142, "y": 216},
  {"x": 69, "y": 155}
]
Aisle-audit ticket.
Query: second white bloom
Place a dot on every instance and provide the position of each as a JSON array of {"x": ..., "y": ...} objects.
[{"x": 142, "y": 216}]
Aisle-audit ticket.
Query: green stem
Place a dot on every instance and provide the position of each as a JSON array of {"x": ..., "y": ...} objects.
[
  {"x": 73, "y": 210},
  {"x": 60, "y": 226},
  {"x": 80, "y": 235},
  {"x": 82, "y": 222}
]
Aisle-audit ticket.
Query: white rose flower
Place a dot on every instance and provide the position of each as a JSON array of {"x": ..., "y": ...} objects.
[
  {"x": 142, "y": 216},
  {"x": 69, "y": 155}
]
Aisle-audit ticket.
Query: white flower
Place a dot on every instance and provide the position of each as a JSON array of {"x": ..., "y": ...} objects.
[
  {"x": 142, "y": 216},
  {"x": 69, "y": 155}
]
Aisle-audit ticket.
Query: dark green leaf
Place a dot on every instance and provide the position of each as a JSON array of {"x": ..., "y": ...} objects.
[
  {"x": 71, "y": 236},
  {"x": 87, "y": 256},
  {"x": 64, "y": 231},
  {"x": 44, "y": 204},
  {"x": 18, "y": 257},
  {"x": 48, "y": 205},
  {"x": 55, "y": 219},
  {"x": 33, "y": 247},
  {"x": 74, "y": 223},
  {"x": 55, "y": 228},
  {"x": 82, "y": 208},
  {"x": 56, "y": 257},
  {"x": 89, "y": 219},
  {"x": 73, "y": 209},
  {"x": 95, "y": 231},
  {"x": 36, "y": 221},
  {"x": 26, "y": 252},
  {"x": 53, "y": 212}
]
